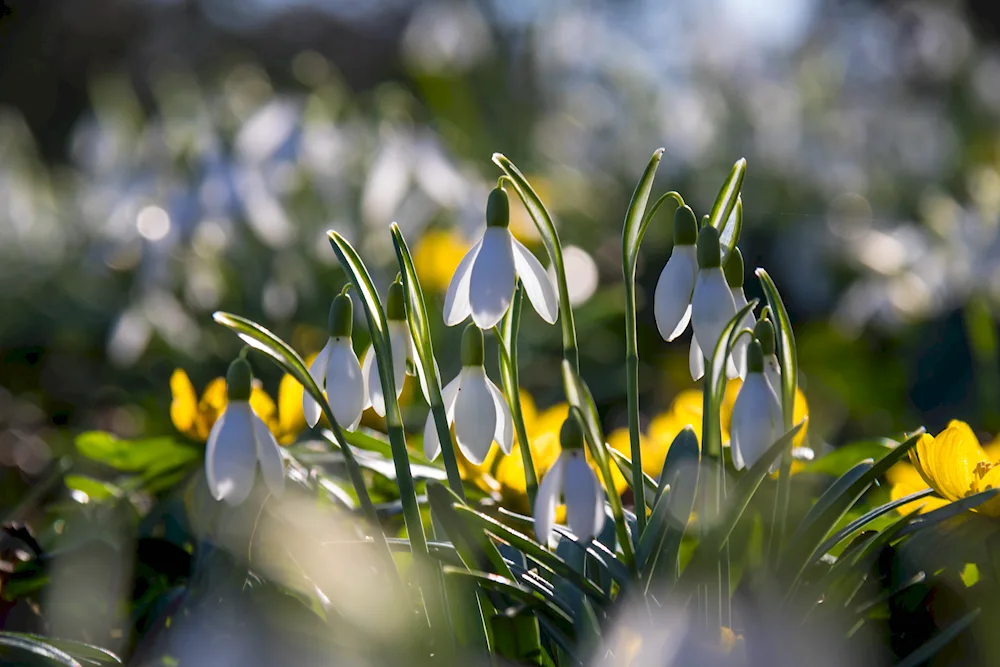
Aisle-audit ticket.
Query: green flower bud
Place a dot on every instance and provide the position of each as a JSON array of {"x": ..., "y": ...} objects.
[
  {"x": 239, "y": 380},
  {"x": 571, "y": 434},
  {"x": 394, "y": 306},
  {"x": 755, "y": 358},
  {"x": 341, "y": 316},
  {"x": 733, "y": 268},
  {"x": 472, "y": 346},
  {"x": 763, "y": 331},
  {"x": 497, "y": 209},
  {"x": 709, "y": 252},
  {"x": 685, "y": 226}
]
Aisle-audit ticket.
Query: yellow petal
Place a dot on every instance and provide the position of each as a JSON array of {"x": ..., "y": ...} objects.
[
  {"x": 529, "y": 411},
  {"x": 687, "y": 409},
  {"x": 799, "y": 412},
  {"x": 904, "y": 480},
  {"x": 949, "y": 462},
  {"x": 436, "y": 256},
  {"x": 264, "y": 406},
  {"x": 621, "y": 441},
  {"x": 291, "y": 421},
  {"x": 183, "y": 403},
  {"x": 987, "y": 476},
  {"x": 212, "y": 403}
]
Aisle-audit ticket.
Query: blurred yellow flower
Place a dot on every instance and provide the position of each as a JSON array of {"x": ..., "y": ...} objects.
[
  {"x": 195, "y": 417},
  {"x": 436, "y": 256},
  {"x": 953, "y": 464}
]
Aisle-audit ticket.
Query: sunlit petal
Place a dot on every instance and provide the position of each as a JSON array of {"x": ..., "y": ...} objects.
[
  {"x": 183, "y": 403},
  {"x": 269, "y": 457},
  {"x": 755, "y": 421},
  {"x": 432, "y": 444},
  {"x": 231, "y": 456},
  {"x": 456, "y": 300},
  {"x": 582, "y": 492},
  {"x": 317, "y": 369},
  {"x": 696, "y": 359},
  {"x": 475, "y": 415},
  {"x": 345, "y": 386},
  {"x": 493, "y": 278},
  {"x": 537, "y": 284},
  {"x": 672, "y": 298},
  {"x": 712, "y": 307},
  {"x": 548, "y": 498},
  {"x": 504, "y": 434}
]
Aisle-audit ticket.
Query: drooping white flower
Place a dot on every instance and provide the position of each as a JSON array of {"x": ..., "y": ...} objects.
[
  {"x": 696, "y": 361},
  {"x": 484, "y": 282},
  {"x": 337, "y": 371},
  {"x": 474, "y": 405},
  {"x": 733, "y": 270},
  {"x": 764, "y": 334},
  {"x": 712, "y": 305},
  {"x": 756, "y": 421},
  {"x": 238, "y": 442},
  {"x": 672, "y": 298},
  {"x": 401, "y": 344},
  {"x": 572, "y": 479}
]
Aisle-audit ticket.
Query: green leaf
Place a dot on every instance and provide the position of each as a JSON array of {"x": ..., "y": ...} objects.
[
  {"x": 547, "y": 230},
  {"x": 681, "y": 473},
  {"x": 725, "y": 201},
  {"x": 85, "y": 654},
  {"x": 135, "y": 456},
  {"x": 843, "y": 458},
  {"x": 834, "y": 504},
  {"x": 625, "y": 467},
  {"x": 532, "y": 550},
  {"x": 934, "y": 645},
  {"x": 729, "y": 236},
  {"x": 426, "y": 364},
  {"x": 952, "y": 509},
  {"x": 17, "y": 649},
  {"x": 94, "y": 489},
  {"x": 867, "y": 518},
  {"x": 636, "y": 220},
  {"x": 358, "y": 274},
  {"x": 475, "y": 549},
  {"x": 706, "y": 552},
  {"x": 517, "y": 638},
  {"x": 715, "y": 383}
]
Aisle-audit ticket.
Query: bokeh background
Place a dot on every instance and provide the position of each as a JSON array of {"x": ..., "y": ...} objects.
[{"x": 161, "y": 159}]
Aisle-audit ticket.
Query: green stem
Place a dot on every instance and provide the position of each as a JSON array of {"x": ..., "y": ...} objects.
[{"x": 507, "y": 342}]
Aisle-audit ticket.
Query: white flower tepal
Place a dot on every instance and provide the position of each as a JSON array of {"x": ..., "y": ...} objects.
[
  {"x": 712, "y": 305},
  {"x": 337, "y": 371},
  {"x": 672, "y": 298},
  {"x": 484, "y": 282},
  {"x": 239, "y": 442},
  {"x": 475, "y": 406},
  {"x": 572, "y": 479},
  {"x": 756, "y": 421}
]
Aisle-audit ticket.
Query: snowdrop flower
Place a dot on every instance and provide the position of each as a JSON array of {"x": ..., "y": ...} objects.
[
  {"x": 733, "y": 271},
  {"x": 672, "y": 298},
  {"x": 240, "y": 440},
  {"x": 337, "y": 371},
  {"x": 401, "y": 344},
  {"x": 712, "y": 304},
  {"x": 474, "y": 405},
  {"x": 756, "y": 422},
  {"x": 572, "y": 478},
  {"x": 484, "y": 281}
]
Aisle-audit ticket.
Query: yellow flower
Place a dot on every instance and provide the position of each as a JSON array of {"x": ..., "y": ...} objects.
[
  {"x": 436, "y": 256},
  {"x": 954, "y": 464},
  {"x": 195, "y": 417}
]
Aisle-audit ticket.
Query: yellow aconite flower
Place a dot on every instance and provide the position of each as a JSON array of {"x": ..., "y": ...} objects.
[
  {"x": 195, "y": 417},
  {"x": 436, "y": 257},
  {"x": 954, "y": 464}
]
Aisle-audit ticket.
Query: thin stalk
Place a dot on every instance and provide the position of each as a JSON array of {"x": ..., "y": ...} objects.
[
  {"x": 507, "y": 343},
  {"x": 712, "y": 439}
]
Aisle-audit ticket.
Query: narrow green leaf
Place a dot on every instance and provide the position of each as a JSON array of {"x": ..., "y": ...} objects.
[
  {"x": 86, "y": 654},
  {"x": 532, "y": 550},
  {"x": 681, "y": 473},
  {"x": 845, "y": 457},
  {"x": 934, "y": 645},
  {"x": 509, "y": 326},
  {"x": 725, "y": 201},
  {"x": 729, "y": 235},
  {"x": 427, "y": 368},
  {"x": 547, "y": 230},
  {"x": 17, "y": 649},
  {"x": 532, "y": 598},
  {"x": 715, "y": 383},
  {"x": 866, "y": 518},
  {"x": 518, "y": 638},
  {"x": 475, "y": 549},
  {"x": 952, "y": 509},
  {"x": 628, "y": 472}
]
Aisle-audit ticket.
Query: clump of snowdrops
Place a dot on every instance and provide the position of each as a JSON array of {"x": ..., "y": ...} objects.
[{"x": 721, "y": 558}]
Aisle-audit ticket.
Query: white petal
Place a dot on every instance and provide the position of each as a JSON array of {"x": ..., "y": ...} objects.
[
  {"x": 317, "y": 369},
  {"x": 582, "y": 492},
  {"x": 734, "y": 449},
  {"x": 537, "y": 284},
  {"x": 672, "y": 298},
  {"x": 269, "y": 457},
  {"x": 754, "y": 424},
  {"x": 772, "y": 372},
  {"x": 504, "y": 433},
  {"x": 345, "y": 386},
  {"x": 475, "y": 415},
  {"x": 432, "y": 444},
  {"x": 547, "y": 500},
  {"x": 493, "y": 278},
  {"x": 696, "y": 359},
  {"x": 456, "y": 300},
  {"x": 230, "y": 455},
  {"x": 740, "y": 348},
  {"x": 373, "y": 383},
  {"x": 712, "y": 307}
]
